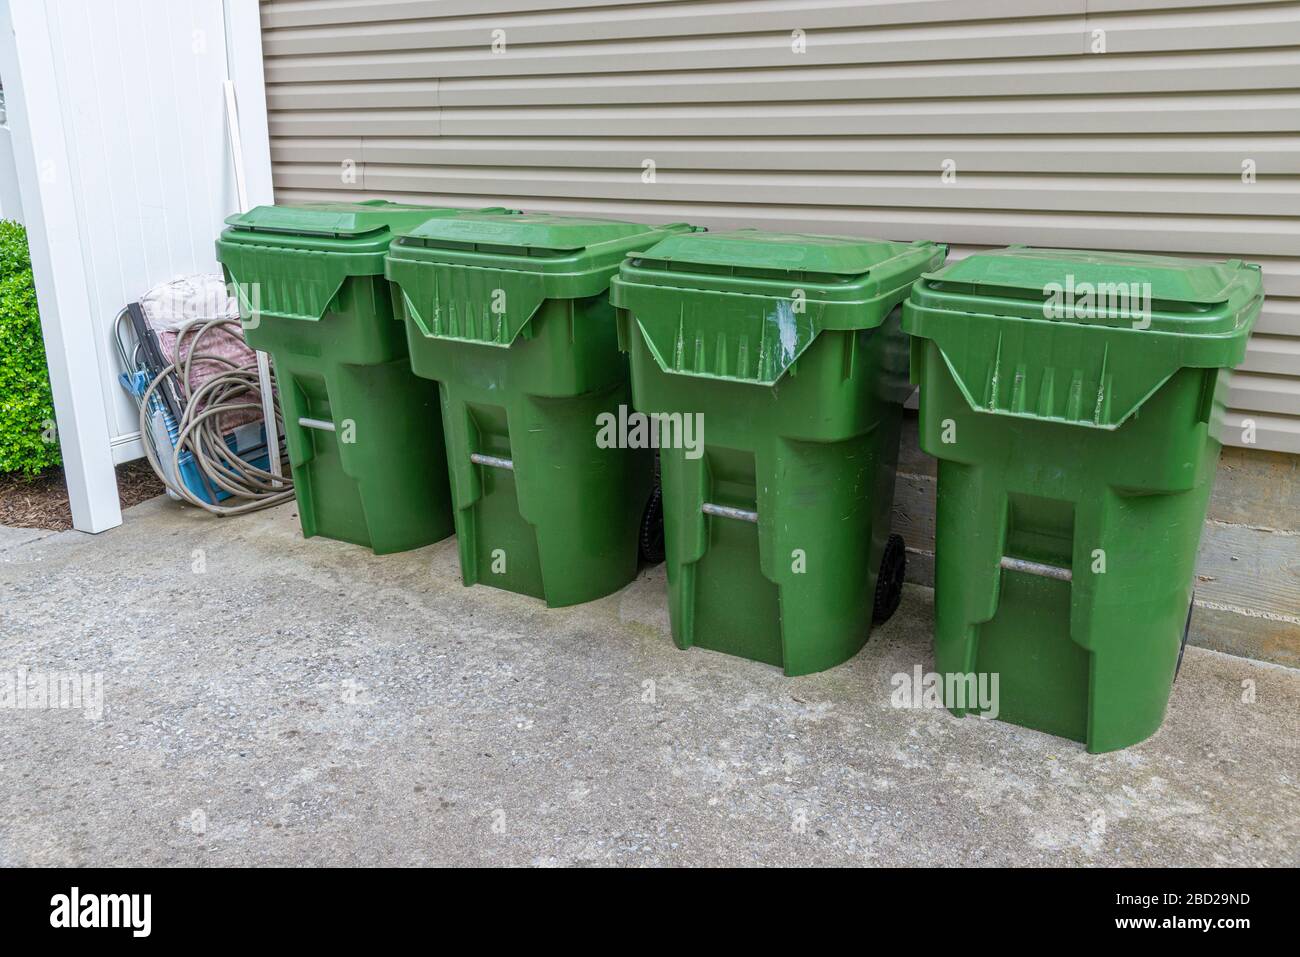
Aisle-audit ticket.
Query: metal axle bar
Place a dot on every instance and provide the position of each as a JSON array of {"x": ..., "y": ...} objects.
[
  {"x": 1037, "y": 568},
  {"x": 726, "y": 511},
  {"x": 492, "y": 461}
]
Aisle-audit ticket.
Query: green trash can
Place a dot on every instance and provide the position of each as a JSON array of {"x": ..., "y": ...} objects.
[
  {"x": 510, "y": 316},
  {"x": 789, "y": 348},
  {"x": 364, "y": 434},
  {"x": 1073, "y": 401}
]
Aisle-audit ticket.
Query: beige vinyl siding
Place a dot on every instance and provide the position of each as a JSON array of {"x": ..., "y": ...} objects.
[{"x": 1139, "y": 148}]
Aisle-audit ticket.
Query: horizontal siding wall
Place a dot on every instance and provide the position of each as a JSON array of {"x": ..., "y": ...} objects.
[{"x": 1138, "y": 148}]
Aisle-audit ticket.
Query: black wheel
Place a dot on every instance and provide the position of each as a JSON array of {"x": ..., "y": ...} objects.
[
  {"x": 889, "y": 584},
  {"x": 1187, "y": 630},
  {"x": 652, "y": 528}
]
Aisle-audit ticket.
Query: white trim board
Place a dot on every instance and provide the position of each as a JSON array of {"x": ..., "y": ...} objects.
[{"x": 49, "y": 206}]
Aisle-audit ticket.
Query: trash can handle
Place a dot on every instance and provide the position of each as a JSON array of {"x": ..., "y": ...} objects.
[
  {"x": 726, "y": 511},
  {"x": 1037, "y": 568},
  {"x": 492, "y": 461},
  {"x": 321, "y": 424}
]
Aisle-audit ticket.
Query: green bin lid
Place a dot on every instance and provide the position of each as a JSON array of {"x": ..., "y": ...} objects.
[
  {"x": 265, "y": 246},
  {"x": 450, "y": 270},
  {"x": 1076, "y": 336},
  {"x": 356, "y": 222},
  {"x": 512, "y": 241},
  {"x": 1105, "y": 288},
  {"x": 744, "y": 305},
  {"x": 751, "y": 252}
]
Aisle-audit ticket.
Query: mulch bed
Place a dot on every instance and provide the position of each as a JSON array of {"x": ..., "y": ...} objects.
[{"x": 42, "y": 502}]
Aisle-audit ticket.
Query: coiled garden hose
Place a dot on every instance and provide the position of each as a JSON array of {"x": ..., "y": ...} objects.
[{"x": 236, "y": 389}]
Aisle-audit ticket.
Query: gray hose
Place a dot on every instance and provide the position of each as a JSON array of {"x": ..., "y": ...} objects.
[{"x": 236, "y": 389}]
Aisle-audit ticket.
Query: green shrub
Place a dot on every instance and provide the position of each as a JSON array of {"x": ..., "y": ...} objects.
[{"x": 26, "y": 406}]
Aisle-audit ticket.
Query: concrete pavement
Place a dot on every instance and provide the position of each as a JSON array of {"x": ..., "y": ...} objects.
[{"x": 270, "y": 700}]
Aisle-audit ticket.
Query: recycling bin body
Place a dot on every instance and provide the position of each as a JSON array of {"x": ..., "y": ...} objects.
[
  {"x": 1076, "y": 458},
  {"x": 364, "y": 434},
  {"x": 510, "y": 316},
  {"x": 789, "y": 348}
]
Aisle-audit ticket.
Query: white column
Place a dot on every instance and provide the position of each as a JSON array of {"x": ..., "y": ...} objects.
[{"x": 67, "y": 324}]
